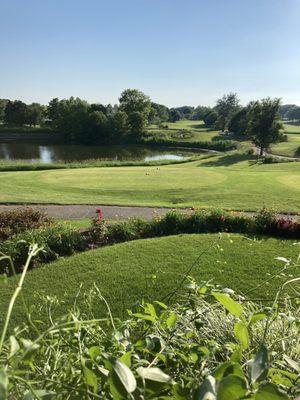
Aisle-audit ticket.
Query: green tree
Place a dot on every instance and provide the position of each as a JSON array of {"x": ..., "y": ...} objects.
[
  {"x": 226, "y": 106},
  {"x": 35, "y": 114},
  {"x": 53, "y": 113},
  {"x": 239, "y": 121},
  {"x": 137, "y": 106},
  {"x": 175, "y": 115},
  {"x": 138, "y": 123},
  {"x": 119, "y": 125},
  {"x": 200, "y": 112},
  {"x": 158, "y": 113},
  {"x": 264, "y": 125},
  {"x": 70, "y": 117},
  {"x": 210, "y": 118},
  {"x": 293, "y": 113},
  {"x": 3, "y": 103},
  {"x": 15, "y": 112},
  {"x": 97, "y": 127}
]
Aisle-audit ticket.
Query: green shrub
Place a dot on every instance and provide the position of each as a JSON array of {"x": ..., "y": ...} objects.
[
  {"x": 211, "y": 344},
  {"x": 194, "y": 221},
  {"x": 19, "y": 220},
  {"x": 56, "y": 240}
]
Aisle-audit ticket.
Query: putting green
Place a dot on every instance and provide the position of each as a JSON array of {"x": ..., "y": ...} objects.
[{"x": 230, "y": 181}]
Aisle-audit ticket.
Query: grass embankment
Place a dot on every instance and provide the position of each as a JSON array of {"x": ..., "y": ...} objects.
[
  {"x": 23, "y": 165},
  {"x": 229, "y": 181},
  {"x": 292, "y": 146},
  {"x": 151, "y": 268}
]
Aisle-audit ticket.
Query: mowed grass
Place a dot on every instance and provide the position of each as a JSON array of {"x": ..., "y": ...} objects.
[
  {"x": 227, "y": 181},
  {"x": 291, "y": 147},
  {"x": 149, "y": 269}
]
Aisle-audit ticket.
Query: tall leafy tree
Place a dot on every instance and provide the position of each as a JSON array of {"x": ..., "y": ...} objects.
[
  {"x": 210, "y": 118},
  {"x": 226, "y": 106},
  {"x": 3, "y": 103},
  {"x": 15, "y": 112},
  {"x": 239, "y": 121},
  {"x": 118, "y": 125},
  {"x": 137, "y": 106},
  {"x": 200, "y": 112},
  {"x": 293, "y": 113},
  {"x": 35, "y": 114},
  {"x": 264, "y": 126},
  {"x": 175, "y": 115},
  {"x": 158, "y": 113}
]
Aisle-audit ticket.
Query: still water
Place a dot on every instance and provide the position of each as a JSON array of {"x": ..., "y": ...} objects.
[{"x": 65, "y": 153}]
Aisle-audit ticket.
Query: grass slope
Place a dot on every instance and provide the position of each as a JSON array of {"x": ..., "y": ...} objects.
[
  {"x": 229, "y": 181},
  {"x": 289, "y": 148},
  {"x": 124, "y": 272}
]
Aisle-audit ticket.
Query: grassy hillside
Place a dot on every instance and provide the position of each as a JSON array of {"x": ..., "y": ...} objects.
[
  {"x": 289, "y": 148},
  {"x": 228, "y": 181},
  {"x": 151, "y": 268}
]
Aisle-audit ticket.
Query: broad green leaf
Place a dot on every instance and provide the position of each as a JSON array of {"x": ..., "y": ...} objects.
[
  {"x": 259, "y": 365},
  {"x": 126, "y": 359},
  {"x": 162, "y": 305},
  {"x": 149, "y": 309},
  {"x": 227, "y": 368},
  {"x": 232, "y": 387},
  {"x": 241, "y": 334},
  {"x": 94, "y": 352},
  {"x": 257, "y": 317},
  {"x": 171, "y": 321},
  {"x": 125, "y": 375},
  {"x": 90, "y": 378},
  {"x": 154, "y": 374},
  {"x": 268, "y": 391},
  {"x": 231, "y": 305},
  {"x": 3, "y": 385},
  {"x": 207, "y": 390}
]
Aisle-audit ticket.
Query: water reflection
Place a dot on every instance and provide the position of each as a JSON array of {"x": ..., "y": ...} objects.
[{"x": 56, "y": 153}]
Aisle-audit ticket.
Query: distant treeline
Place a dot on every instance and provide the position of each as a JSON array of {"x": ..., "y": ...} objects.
[{"x": 77, "y": 120}]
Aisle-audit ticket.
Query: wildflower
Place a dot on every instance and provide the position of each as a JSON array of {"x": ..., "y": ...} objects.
[{"x": 222, "y": 218}]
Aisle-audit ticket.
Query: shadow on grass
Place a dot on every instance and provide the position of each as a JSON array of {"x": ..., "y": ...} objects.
[{"x": 230, "y": 159}]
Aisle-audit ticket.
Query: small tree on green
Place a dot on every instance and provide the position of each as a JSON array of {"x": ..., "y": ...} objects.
[{"x": 264, "y": 126}]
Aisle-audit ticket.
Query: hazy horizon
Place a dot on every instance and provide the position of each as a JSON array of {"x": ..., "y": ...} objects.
[{"x": 178, "y": 53}]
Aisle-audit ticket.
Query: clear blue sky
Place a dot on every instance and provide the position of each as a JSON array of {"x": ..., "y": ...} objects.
[{"x": 177, "y": 51}]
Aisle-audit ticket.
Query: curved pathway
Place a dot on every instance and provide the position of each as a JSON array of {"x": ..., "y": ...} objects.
[{"x": 80, "y": 211}]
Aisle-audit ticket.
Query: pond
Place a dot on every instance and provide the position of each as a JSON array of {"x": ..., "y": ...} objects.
[{"x": 69, "y": 153}]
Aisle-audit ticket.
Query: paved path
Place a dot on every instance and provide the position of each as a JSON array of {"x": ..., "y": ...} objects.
[{"x": 79, "y": 211}]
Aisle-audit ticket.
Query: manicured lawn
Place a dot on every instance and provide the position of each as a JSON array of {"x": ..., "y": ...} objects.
[
  {"x": 228, "y": 181},
  {"x": 151, "y": 268},
  {"x": 289, "y": 148}
]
